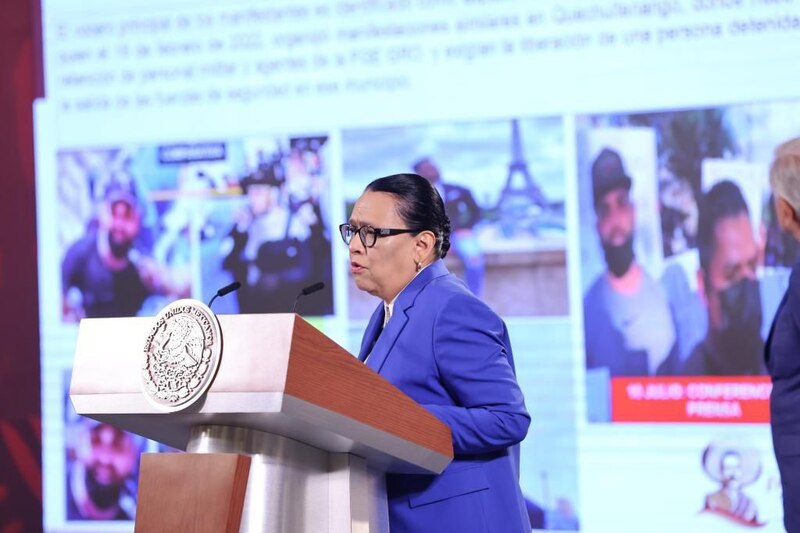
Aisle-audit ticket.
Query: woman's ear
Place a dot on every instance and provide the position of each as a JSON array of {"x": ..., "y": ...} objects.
[{"x": 425, "y": 246}]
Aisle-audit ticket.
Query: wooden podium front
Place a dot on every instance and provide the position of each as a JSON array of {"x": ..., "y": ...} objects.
[
  {"x": 302, "y": 424},
  {"x": 207, "y": 497}
]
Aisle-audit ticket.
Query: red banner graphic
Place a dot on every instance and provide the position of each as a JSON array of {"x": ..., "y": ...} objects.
[{"x": 691, "y": 399}]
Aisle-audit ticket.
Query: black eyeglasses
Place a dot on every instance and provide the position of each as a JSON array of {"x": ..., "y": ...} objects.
[{"x": 368, "y": 234}]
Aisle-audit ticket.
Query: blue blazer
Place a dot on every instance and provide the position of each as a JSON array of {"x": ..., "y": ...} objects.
[
  {"x": 782, "y": 351},
  {"x": 448, "y": 351}
]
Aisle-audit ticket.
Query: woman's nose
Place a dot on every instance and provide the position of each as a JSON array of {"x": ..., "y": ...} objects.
[{"x": 355, "y": 245}]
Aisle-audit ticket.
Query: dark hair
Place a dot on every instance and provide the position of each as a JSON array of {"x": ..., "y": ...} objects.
[
  {"x": 723, "y": 200},
  {"x": 420, "y": 206},
  {"x": 608, "y": 173},
  {"x": 263, "y": 175}
]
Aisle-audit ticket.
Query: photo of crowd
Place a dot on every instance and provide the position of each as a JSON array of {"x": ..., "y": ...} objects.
[
  {"x": 273, "y": 236},
  {"x": 690, "y": 290},
  {"x": 145, "y": 225}
]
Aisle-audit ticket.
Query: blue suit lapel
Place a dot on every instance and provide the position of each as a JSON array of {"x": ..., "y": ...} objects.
[
  {"x": 371, "y": 333},
  {"x": 387, "y": 339},
  {"x": 397, "y": 323}
]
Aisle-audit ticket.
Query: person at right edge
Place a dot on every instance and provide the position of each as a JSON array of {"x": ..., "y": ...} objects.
[{"x": 782, "y": 350}]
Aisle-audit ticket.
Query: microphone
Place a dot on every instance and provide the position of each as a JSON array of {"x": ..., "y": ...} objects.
[
  {"x": 227, "y": 289},
  {"x": 318, "y": 286}
]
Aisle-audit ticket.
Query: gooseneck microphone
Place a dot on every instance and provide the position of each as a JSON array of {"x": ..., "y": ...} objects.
[
  {"x": 318, "y": 286},
  {"x": 227, "y": 289}
]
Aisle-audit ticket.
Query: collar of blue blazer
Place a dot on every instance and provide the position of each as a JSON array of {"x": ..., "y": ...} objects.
[{"x": 378, "y": 341}]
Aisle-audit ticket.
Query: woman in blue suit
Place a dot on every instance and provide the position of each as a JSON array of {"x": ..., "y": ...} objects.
[{"x": 438, "y": 343}]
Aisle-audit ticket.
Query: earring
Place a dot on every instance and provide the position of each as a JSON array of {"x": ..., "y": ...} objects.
[{"x": 419, "y": 265}]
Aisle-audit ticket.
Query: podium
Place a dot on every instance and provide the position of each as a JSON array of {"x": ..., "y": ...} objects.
[{"x": 293, "y": 434}]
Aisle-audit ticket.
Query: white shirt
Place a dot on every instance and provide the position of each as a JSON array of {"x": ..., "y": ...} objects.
[{"x": 388, "y": 308}]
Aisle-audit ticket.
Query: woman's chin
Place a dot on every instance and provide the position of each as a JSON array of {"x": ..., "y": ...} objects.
[
  {"x": 366, "y": 286},
  {"x": 363, "y": 284}
]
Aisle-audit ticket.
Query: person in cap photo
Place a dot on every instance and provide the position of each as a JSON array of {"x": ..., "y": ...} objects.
[
  {"x": 103, "y": 275},
  {"x": 628, "y": 326}
]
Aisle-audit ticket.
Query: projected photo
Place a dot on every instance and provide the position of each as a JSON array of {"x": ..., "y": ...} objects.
[
  {"x": 503, "y": 187},
  {"x": 122, "y": 231},
  {"x": 742, "y": 485},
  {"x": 102, "y": 469},
  {"x": 271, "y": 233},
  {"x": 144, "y": 225},
  {"x": 548, "y": 464},
  {"x": 678, "y": 279},
  {"x": 733, "y": 468}
]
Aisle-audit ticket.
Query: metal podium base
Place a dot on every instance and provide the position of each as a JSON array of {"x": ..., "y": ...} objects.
[{"x": 293, "y": 487}]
